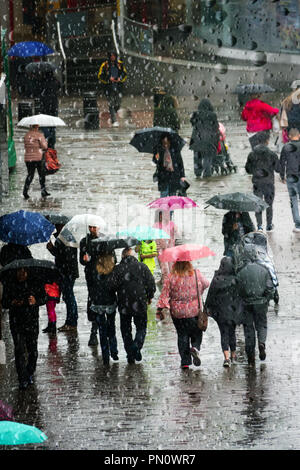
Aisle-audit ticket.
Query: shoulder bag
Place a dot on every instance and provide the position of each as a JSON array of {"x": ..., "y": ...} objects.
[{"x": 202, "y": 316}]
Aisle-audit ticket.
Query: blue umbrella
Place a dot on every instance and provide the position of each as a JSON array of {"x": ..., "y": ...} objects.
[
  {"x": 12, "y": 434},
  {"x": 25, "y": 228},
  {"x": 143, "y": 232},
  {"x": 29, "y": 49}
]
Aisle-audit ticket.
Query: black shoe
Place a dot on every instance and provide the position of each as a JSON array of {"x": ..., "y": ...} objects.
[
  {"x": 138, "y": 356},
  {"x": 130, "y": 360},
  {"x": 270, "y": 228},
  {"x": 262, "y": 351},
  {"x": 25, "y": 195},
  {"x": 51, "y": 328},
  {"x": 93, "y": 341},
  {"x": 23, "y": 385},
  {"x": 115, "y": 357},
  {"x": 45, "y": 193},
  {"x": 251, "y": 359}
]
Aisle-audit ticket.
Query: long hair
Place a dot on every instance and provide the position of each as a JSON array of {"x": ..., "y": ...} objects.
[
  {"x": 105, "y": 264},
  {"x": 287, "y": 103},
  {"x": 183, "y": 268}
]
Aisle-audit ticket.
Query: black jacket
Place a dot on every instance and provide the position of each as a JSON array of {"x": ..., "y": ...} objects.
[
  {"x": 66, "y": 259},
  {"x": 262, "y": 163},
  {"x": 101, "y": 292},
  {"x": 170, "y": 177},
  {"x": 134, "y": 284},
  {"x": 290, "y": 160},
  {"x": 232, "y": 236},
  {"x": 223, "y": 301},
  {"x": 205, "y": 135},
  {"x": 12, "y": 251},
  {"x": 166, "y": 115}
]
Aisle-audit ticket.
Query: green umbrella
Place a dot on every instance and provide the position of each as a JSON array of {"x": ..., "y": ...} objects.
[
  {"x": 12, "y": 433},
  {"x": 238, "y": 202}
]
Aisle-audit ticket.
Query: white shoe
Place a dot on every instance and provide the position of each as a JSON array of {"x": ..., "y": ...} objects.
[
  {"x": 296, "y": 229},
  {"x": 116, "y": 124}
]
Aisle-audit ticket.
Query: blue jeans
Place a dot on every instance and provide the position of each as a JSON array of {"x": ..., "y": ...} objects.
[
  {"x": 68, "y": 296},
  {"x": 107, "y": 333},
  {"x": 294, "y": 193}
]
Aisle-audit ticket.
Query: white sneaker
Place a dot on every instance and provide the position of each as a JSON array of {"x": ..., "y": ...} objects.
[
  {"x": 116, "y": 124},
  {"x": 296, "y": 229}
]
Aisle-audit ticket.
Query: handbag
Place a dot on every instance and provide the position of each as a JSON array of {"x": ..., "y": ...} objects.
[{"x": 202, "y": 316}]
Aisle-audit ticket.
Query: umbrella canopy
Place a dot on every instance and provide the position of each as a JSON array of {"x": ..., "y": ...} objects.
[
  {"x": 252, "y": 88},
  {"x": 29, "y": 49},
  {"x": 38, "y": 68},
  {"x": 12, "y": 433},
  {"x": 143, "y": 232},
  {"x": 45, "y": 120},
  {"x": 25, "y": 228},
  {"x": 57, "y": 218},
  {"x": 42, "y": 270},
  {"x": 238, "y": 202},
  {"x": 78, "y": 227},
  {"x": 187, "y": 252},
  {"x": 172, "y": 202},
  {"x": 147, "y": 140},
  {"x": 109, "y": 243}
]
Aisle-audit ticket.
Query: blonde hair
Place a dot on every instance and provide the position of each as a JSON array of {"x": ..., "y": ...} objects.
[
  {"x": 105, "y": 264},
  {"x": 183, "y": 268}
]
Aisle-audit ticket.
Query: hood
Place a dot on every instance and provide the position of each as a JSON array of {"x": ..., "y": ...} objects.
[
  {"x": 293, "y": 146},
  {"x": 256, "y": 238},
  {"x": 226, "y": 266},
  {"x": 205, "y": 105}
]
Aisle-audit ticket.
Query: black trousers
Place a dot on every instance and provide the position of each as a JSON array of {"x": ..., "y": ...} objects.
[
  {"x": 133, "y": 345},
  {"x": 188, "y": 335},
  {"x": 31, "y": 167},
  {"x": 265, "y": 191},
  {"x": 25, "y": 338},
  {"x": 114, "y": 103}
]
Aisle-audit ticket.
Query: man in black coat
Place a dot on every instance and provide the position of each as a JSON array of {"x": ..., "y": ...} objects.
[
  {"x": 170, "y": 168},
  {"x": 23, "y": 296},
  {"x": 234, "y": 226},
  {"x": 66, "y": 261},
  {"x": 135, "y": 287},
  {"x": 262, "y": 163}
]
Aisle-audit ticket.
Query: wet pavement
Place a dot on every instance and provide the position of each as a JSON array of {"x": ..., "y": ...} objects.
[{"x": 154, "y": 405}]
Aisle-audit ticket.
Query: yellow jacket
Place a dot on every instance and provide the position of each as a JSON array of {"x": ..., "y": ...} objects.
[{"x": 104, "y": 72}]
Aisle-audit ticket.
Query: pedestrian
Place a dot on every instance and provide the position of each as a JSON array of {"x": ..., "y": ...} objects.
[
  {"x": 205, "y": 138},
  {"x": 48, "y": 98},
  {"x": 225, "y": 306},
  {"x": 180, "y": 296},
  {"x": 261, "y": 164},
  {"x": 290, "y": 172},
  {"x": 147, "y": 252},
  {"x": 12, "y": 251},
  {"x": 258, "y": 115},
  {"x": 88, "y": 258},
  {"x": 35, "y": 143},
  {"x": 255, "y": 287},
  {"x": 66, "y": 261},
  {"x": 234, "y": 226},
  {"x": 104, "y": 306},
  {"x": 23, "y": 297},
  {"x": 135, "y": 288},
  {"x": 290, "y": 110},
  {"x": 163, "y": 222},
  {"x": 112, "y": 74},
  {"x": 53, "y": 297},
  {"x": 165, "y": 115},
  {"x": 170, "y": 168}
]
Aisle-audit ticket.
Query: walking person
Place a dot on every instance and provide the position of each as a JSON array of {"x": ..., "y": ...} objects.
[
  {"x": 180, "y": 296},
  {"x": 35, "y": 143},
  {"x": 53, "y": 297},
  {"x": 170, "y": 168},
  {"x": 290, "y": 110},
  {"x": 205, "y": 138},
  {"x": 258, "y": 116},
  {"x": 112, "y": 74},
  {"x": 104, "y": 307},
  {"x": 234, "y": 226},
  {"x": 165, "y": 115},
  {"x": 261, "y": 164},
  {"x": 48, "y": 98},
  {"x": 225, "y": 306},
  {"x": 135, "y": 288},
  {"x": 147, "y": 252},
  {"x": 290, "y": 173},
  {"x": 66, "y": 261},
  {"x": 23, "y": 297}
]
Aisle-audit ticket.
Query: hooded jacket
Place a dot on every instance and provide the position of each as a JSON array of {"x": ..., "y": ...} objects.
[
  {"x": 290, "y": 160},
  {"x": 258, "y": 115},
  {"x": 105, "y": 72},
  {"x": 166, "y": 115},
  {"x": 261, "y": 163},
  {"x": 206, "y": 134}
]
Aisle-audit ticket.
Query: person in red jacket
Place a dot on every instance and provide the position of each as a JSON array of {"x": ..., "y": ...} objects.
[{"x": 258, "y": 115}]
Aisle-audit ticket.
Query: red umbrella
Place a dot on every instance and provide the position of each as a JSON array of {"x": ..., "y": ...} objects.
[{"x": 187, "y": 252}]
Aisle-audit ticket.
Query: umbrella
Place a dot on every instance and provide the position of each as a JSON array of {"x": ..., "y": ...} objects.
[
  {"x": 40, "y": 68},
  {"x": 172, "y": 202},
  {"x": 25, "y": 228},
  {"x": 29, "y": 49},
  {"x": 147, "y": 140},
  {"x": 43, "y": 270},
  {"x": 143, "y": 232},
  {"x": 238, "y": 202},
  {"x": 187, "y": 252},
  {"x": 44, "y": 120},
  {"x": 108, "y": 243},
  {"x": 56, "y": 218},
  {"x": 12, "y": 433},
  {"x": 78, "y": 227},
  {"x": 252, "y": 88}
]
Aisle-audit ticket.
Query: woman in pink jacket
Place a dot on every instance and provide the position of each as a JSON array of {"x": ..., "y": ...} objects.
[
  {"x": 34, "y": 143},
  {"x": 179, "y": 295}
]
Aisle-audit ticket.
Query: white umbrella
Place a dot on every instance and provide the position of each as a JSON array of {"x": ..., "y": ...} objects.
[
  {"x": 78, "y": 227},
  {"x": 44, "y": 120}
]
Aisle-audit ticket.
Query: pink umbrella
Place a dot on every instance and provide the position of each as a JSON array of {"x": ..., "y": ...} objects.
[
  {"x": 172, "y": 202},
  {"x": 187, "y": 252}
]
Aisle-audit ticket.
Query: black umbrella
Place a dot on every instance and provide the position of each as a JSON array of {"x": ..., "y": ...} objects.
[
  {"x": 42, "y": 270},
  {"x": 109, "y": 243},
  {"x": 39, "y": 68},
  {"x": 57, "y": 218},
  {"x": 238, "y": 202},
  {"x": 252, "y": 88},
  {"x": 148, "y": 140}
]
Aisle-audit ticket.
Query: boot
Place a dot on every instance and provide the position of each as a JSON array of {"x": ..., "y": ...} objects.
[
  {"x": 93, "y": 341},
  {"x": 51, "y": 328},
  {"x": 45, "y": 193}
]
